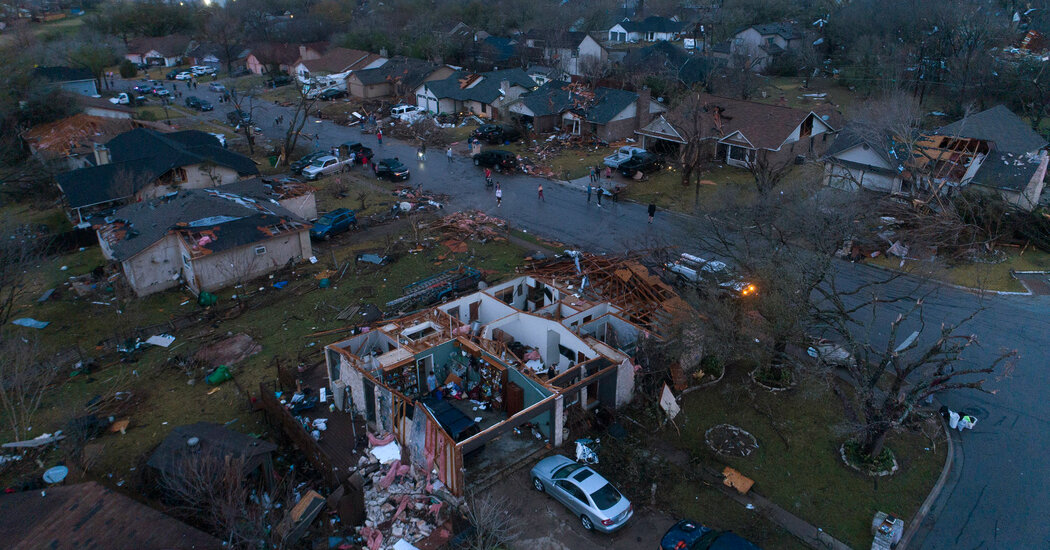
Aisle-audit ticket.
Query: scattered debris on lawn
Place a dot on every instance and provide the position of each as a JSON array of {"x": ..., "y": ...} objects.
[
  {"x": 737, "y": 480},
  {"x": 472, "y": 225},
  {"x": 229, "y": 351},
  {"x": 729, "y": 440},
  {"x": 427, "y": 291}
]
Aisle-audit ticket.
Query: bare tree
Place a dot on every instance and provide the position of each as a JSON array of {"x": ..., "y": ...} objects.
[
  {"x": 24, "y": 380},
  {"x": 494, "y": 525},
  {"x": 226, "y": 30},
  {"x": 244, "y": 102},
  {"x": 890, "y": 379},
  {"x": 769, "y": 168},
  {"x": 693, "y": 121},
  {"x": 303, "y": 105}
]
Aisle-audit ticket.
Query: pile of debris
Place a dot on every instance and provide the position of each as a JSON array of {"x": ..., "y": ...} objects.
[
  {"x": 472, "y": 224},
  {"x": 402, "y": 502},
  {"x": 415, "y": 199}
]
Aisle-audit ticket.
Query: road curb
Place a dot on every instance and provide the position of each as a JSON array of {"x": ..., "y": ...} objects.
[
  {"x": 952, "y": 285},
  {"x": 919, "y": 516}
]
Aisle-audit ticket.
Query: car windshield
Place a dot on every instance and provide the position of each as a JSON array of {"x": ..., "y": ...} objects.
[
  {"x": 606, "y": 497},
  {"x": 327, "y": 219},
  {"x": 318, "y": 162},
  {"x": 564, "y": 471}
]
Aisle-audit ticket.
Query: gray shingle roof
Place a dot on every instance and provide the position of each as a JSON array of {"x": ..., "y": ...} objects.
[
  {"x": 485, "y": 91},
  {"x": 999, "y": 125},
  {"x": 785, "y": 31},
  {"x": 608, "y": 103},
  {"x": 1007, "y": 171},
  {"x": 141, "y": 156},
  {"x": 234, "y": 219},
  {"x": 63, "y": 74},
  {"x": 553, "y": 98},
  {"x": 411, "y": 71},
  {"x": 653, "y": 23}
]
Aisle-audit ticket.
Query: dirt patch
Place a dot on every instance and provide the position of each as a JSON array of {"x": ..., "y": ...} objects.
[
  {"x": 729, "y": 440},
  {"x": 229, "y": 351}
]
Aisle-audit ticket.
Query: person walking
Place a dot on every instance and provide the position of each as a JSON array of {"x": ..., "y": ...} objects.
[
  {"x": 423, "y": 150},
  {"x": 539, "y": 192},
  {"x": 379, "y": 136},
  {"x": 499, "y": 195},
  {"x": 375, "y": 170},
  {"x": 589, "y": 188},
  {"x": 600, "y": 190},
  {"x": 449, "y": 155},
  {"x": 591, "y": 180},
  {"x": 488, "y": 174},
  {"x": 652, "y": 211},
  {"x": 608, "y": 173}
]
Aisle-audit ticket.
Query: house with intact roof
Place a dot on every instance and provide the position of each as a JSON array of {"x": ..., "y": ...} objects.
[
  {"x": 145, "y": 163},
  {"x": 650, "y": 29},
  {"x": 483, "y": 94},
  {"x": 609, "y": 114},
  {"x": 398, "y": 77},
  {"x": 337, "y": 61},
  {"x": 165, "y": 51},
  {"x": 204, "y": 238},
  {"x": 574, "y": 52},
  {"x": 860, "y": 158},
  {"x": 77, "y": 80},
  {"x": 758, "y": 45}
]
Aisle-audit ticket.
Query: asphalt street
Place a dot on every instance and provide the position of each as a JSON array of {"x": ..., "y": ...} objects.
[{"x": 999, "y": 495}]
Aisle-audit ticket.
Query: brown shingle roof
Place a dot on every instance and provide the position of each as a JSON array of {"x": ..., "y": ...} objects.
[
  {"x": 338, "y": 60},
  {"x": 764, "y": 126},
  {"x": 170, "y": 46},
  {"x": 88, "y": 515}
]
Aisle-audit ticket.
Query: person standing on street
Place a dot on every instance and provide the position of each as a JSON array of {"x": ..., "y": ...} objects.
[
  {"x": 591, "y": 179},
  {"x": 449, "y": 155},
  {"x": 539, "y": 192},
  {"x": 589, "y": 187},
  {"x": 652, "y": 211},
  {"x": 600, "y": 190},
  {"x": 499, "y": 195},
  {"x": 379, "y": 136}
]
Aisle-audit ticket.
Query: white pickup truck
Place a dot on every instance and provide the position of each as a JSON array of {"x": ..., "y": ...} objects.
[
  {"x": 622, "y": 155},
  {"x": 325, "y": 165}
]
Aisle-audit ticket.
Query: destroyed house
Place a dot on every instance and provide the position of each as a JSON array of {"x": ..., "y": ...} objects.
[
  {"x": 482, "y": 94},
  {"x": 144, "y": 163},
  {"x": 205, "y": 238},
  {"x": 484, "y": 381},
  {"x": 994, "y": 149}
]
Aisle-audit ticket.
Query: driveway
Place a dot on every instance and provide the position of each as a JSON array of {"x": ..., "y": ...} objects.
[{"x": 1003, "y": 474}]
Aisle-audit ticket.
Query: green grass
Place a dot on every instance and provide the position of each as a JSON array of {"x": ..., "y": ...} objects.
[
  {"x": 573, "y": 160},
  {"x": 975, "y": 275},
  {"x": 790, "y": 88},
  {"x": 281, "y": 324},
  {"x": 158, "y": 112},
  {"x": 344, "y": 191},
  {"x": 55, "y": 219},
  {"x": 797, "y": 464},
  {"x": 665, "y": 189}
]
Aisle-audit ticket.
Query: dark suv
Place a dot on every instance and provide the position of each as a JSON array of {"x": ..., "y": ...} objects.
[
  {"x": 193, "y": 102},
  {"x": 391, "y": 169},
  {"x": 499, "y": 159},
  {"x": 335, "y": 222},
  {"x": 297, "y": 166},
  {"x": 279, "y": 80},
  {"x": 495, "y": 133},
  {"x": 360, "y": 151},
  {"x": 238, "y": 117},
  {"x": 640, "y": 162}
]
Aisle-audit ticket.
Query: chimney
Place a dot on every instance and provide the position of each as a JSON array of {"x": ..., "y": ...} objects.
[
  {"x": 101, "y": 155},
  {"x": 645, "y": 96}
]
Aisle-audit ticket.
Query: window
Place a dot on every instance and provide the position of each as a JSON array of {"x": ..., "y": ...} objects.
[
  {"x": 606, "y": 497},
  {"x": 186, "y": 261},
  {"x": 738, "y": 153},
  {"x": 575, "y": 53},
  {"x": 573, "y": 490},
  {"x": 260, "y": 250}
]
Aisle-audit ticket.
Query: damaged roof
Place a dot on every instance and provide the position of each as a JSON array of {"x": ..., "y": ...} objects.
[
  {"x": 88, "y": 515},
  {"x": 999, "y": 125},
  {"x": 229, "y": 220},
  {"x": 673, "y": 59},
  {"x": 762, "y": 125},
  {"x": 411, "y": 71},
  {"x": 485, "y": 87},
  {"x": 340, "y": 60},
  {"x": 598, "y": 106},
  {"x": 783, "y": 30},
  {"x": 211, "y": 438},
  {"x": 139, "y": 157},
  {"x": 77, "y": 133},
  {"x": 1009, "y": 171}
]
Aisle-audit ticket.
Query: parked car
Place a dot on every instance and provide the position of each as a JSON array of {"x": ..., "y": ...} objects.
[
  {"x": 201, "y": 70},
  {"x": 401, "y": 111},
  {"x": 360, "y": 151},
  {"x": 392, "y": 169},
  {"x": 622, "y": 155},
  {"x": 121, "y": 99},
  {"x": 216, "y": 87},
  {"x": 641, "y": 162},
  {"x": 171, "y": 74},
  {"x": 297, "y": 166},
  {"x": 205, "y": 105},
  {"x": 496, "y": 133},
  {"x": 710, "y": 276},
  {"x": 279, "y": 80},
  {"x": 193, "y": 102},
  {"x": 584, "y": 492},
  {"x": 690, "y": 535},
  {"x": 327, "y": 164},
  {"x": 143, "y": 89},
  {"x": 331, "y": 93},
  {"x": 335, "y": 222},
  {"x": 161, "y": 92},
  {"x": 497, "y": 158},
  {"x": 237, "y": 117},
  {"x": 184, "y": 75}
]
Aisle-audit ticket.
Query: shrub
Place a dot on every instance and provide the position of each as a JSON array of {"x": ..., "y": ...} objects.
[
  {"x": 128, "y": 69},
  {"x": 712, "y": 365}
]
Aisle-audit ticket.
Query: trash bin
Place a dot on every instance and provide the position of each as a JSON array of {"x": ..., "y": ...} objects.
[
  {"x": 273, "y": 160},
  {"x": 207, "y": 299},
  {"x": 218, "y": 376}
]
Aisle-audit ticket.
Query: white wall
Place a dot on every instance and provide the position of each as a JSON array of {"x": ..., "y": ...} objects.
[
  {"x": 531, "y": 331},
  {"x": 819, "y": 127},
  {"x": 154, "y": 269}
]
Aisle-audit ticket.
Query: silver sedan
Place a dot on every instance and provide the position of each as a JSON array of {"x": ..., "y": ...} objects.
[{"x": 585, "y": 492}]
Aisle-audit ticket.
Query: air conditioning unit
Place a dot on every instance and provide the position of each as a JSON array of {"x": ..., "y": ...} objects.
[{"x": 339, "y": 395}]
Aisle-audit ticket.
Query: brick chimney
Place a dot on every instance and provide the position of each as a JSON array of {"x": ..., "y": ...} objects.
[
  {"x": 101, "y": 155},
  {"x": 643, "y": 117}
]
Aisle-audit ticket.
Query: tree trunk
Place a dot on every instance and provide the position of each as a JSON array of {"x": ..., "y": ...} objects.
[{"x": 874, "y": 437}]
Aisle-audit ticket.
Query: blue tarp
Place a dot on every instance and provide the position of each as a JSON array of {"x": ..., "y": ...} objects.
[{"x": 31, "y": 323}]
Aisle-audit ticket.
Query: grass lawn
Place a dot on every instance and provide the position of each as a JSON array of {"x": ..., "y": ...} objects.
[
  {"x": 975, "y": 275},
  {"x": 158, "y": 112},
  {"x": 574, "y": 160},
  {"x": 353, "y": 189},
  {"x": 665, "y": 189},
  {"x": 797, "y": 463},
  {"x": 18, "y": 214},
  {"x": 280, "y": 320},
  {"x": 790, "y": 88}
]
